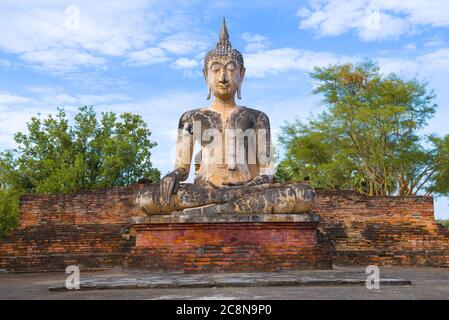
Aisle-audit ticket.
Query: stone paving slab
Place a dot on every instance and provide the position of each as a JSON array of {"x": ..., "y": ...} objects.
[{"x": 223, "y": 280}]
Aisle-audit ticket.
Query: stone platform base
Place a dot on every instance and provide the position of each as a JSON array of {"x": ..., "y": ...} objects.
[
  {"x": 229, "y": 243},
  {"x": 141, "y": 280}
]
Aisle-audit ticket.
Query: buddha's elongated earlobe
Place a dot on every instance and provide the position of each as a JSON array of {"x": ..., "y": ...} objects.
[
  {"x": 209, "y": 92},
  {"x": 239, "y": 88},
  {"x": 239, "y": 93}
]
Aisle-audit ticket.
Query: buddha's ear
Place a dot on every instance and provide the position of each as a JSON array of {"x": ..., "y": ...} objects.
[
  {"x": 242, "y": 74},
  {"x": 239, "y": 88},
  {"x": 209, "y": 91}
]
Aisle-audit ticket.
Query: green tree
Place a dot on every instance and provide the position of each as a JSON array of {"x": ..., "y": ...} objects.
[
  {"x": 367, "y": 139},
  {"x": 9, "y": 210},
  {"x": 440, "y": 182},
  {"x": 444, "y": 223},
  {"x": 56, "y": 157}
]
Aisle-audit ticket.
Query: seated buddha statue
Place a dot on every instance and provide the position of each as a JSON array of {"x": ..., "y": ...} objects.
[{"x": 234, "y": 171}]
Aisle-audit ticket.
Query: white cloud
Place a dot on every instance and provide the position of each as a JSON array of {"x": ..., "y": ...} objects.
[
  {"x": 373, "y": 19},
  {"x": 434, "y": 41},
  {"x": 14, "y": 118},
  {"x": 61, "y": 60},
  {"x": 425, "y": 66},
  {"x": 434, "y": 13},
  {"x": 398, "y": 65},
  {"x": 410, "y": 46},
  {"x": 61, "y": 99},
  {"x": 7, "y": 98},
  {"x": 280, "y": 60},
  {"x": 185, "y": 63},
  {"x": 147, "y": 56},
  {"x": 435, "y": 61},
  {"x": 65, "y": 36},
  {"x": 179, "y": 43},
  {"x": 183, "y": 43},
  {"x": 255, "y": 42},
  {"x": 101, "y": 99},
  {"x": 44, "y": 89},
  {"x": 4, "y": 63}
]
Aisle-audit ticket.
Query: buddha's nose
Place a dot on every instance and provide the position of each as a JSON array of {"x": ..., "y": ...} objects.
[{"x": 223, "y": 78}]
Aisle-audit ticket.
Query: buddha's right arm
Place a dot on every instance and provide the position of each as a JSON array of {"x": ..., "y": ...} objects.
[{"x": 184, "y": 148}]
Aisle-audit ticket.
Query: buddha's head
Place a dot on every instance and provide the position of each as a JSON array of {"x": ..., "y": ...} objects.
[{"x": 223, "y": 68}]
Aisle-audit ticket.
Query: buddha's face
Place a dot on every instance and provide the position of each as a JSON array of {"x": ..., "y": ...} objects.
[{"x": 224, "y": 77}]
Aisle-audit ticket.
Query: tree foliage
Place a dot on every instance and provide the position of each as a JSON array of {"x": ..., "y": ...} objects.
[
  {"x": 368, "y": 138},
  {"x": 444, "y": 223},
  {"x": 9, "y": 210},
  {"x": 56, "y": 157}
]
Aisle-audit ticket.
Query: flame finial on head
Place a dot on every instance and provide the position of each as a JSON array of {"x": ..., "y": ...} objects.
[
  {"x": 224, "y": 48},
  {"x": 224, "y": 35}
]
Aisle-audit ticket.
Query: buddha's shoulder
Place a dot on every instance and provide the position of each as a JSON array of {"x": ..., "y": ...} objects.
[
  {"x": 254, "y": 112},
  {"x": 194, "y": 113},
  {"x": 198, "y": 113}
]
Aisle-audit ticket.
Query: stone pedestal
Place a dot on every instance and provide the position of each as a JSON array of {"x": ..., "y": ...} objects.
[{"x": 233, "y": 243}]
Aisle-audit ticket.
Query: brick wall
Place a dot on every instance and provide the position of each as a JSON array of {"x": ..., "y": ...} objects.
[
  {"x": 53, "y": 248},
  {"x": 107, "y": 206},
  {"x": 381, "y": 230},
  {"x": 84, "y": 229},
  {"x": 87, "y": 228},
  {"x": 231, "y": 247}
]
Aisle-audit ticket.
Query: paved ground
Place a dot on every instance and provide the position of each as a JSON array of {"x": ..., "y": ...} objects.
[
  {"x": 139, "y": 279},
  {"x": 427, "y": 283}
]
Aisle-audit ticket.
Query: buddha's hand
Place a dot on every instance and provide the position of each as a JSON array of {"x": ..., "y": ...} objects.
[
  {"x": 169, "y": 185},
  {"x": 259, "y": 180}
]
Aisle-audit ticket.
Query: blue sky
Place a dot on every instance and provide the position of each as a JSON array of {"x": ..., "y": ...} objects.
[{"x": 146, "y": 56}]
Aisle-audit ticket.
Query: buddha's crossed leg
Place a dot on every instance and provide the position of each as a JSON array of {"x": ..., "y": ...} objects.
[{"x": 197, "y": 199}]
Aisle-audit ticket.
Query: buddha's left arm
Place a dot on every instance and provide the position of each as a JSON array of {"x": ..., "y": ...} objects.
[{"x": 264, "y": 152}]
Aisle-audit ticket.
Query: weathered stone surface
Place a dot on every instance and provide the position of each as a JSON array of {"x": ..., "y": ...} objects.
[
  {"x": 266, "y": 198},
  {"x": 427, "y": 283},
  {"x": 181, "y": 217},
  {"x": 234, "y": 168},
  {"x": 255, "y": 279}
]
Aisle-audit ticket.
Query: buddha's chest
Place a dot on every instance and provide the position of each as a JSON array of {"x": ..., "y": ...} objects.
[{"x": 210, "y": 125}]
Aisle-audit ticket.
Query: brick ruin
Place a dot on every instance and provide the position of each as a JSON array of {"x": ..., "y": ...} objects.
[
  {"x": 227, "y": 247},
  {"x": 381, "y": 230},
  {"x": 92, "y": 229}
]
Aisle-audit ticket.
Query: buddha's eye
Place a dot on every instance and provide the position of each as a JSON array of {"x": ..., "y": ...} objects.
[
  {"x": 230, "y": 67},
  {"x": 215, "y": 67}
]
